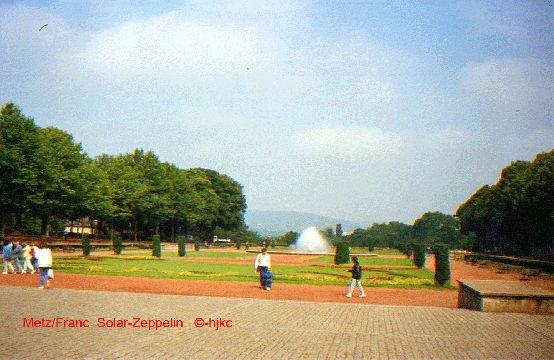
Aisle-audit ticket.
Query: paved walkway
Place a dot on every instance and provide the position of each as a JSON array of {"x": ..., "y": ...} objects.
[{"x": 255, "y": 328}]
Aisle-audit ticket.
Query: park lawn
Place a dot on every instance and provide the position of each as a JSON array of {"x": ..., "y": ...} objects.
[
  {"x": 370, "y": 260},
  {"x": 232, "y": 254},
  {"x": 364, "y": 250},
  {"x": 197, "y": 270}
]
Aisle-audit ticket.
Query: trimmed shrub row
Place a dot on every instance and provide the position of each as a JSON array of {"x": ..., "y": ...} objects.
[
  {"x": 442, "y": 263},
  {"x": 342, "y": 253},
  {"x": 181, "y": 243},
  {"x": 419, "y": 255},
  {"x": 156, "y": 246}
]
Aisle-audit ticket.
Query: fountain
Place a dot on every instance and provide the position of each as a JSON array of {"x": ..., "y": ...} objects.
[{"x": 312, "y": 241}]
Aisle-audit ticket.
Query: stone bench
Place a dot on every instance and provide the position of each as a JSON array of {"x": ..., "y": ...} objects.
[{"x": 504, "y": 296}]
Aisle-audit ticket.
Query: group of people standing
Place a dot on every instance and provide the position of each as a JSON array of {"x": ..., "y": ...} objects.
[{"x": 25, "y": 258}]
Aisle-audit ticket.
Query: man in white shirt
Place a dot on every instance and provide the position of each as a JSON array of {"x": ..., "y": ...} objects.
[{"x": 263, "y": 265}]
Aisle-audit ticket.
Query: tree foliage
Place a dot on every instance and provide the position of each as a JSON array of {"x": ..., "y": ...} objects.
[
  {"x": 384, "y": 235},
  {"x": 45, "y": 174},
  {"x": 436, "y": 227},
  {"x": 19, "y": 142},
  {"x": 289, "y": 238},
  {"x": 516, "y": 215}
]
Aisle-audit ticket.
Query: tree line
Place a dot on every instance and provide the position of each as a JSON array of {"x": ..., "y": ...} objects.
[
  {"x": 430, "y": 229},
  {"x": 46, "y": 179},
  {"x": 515, "y": 216}
]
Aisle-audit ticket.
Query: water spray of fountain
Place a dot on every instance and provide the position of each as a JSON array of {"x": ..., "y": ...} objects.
[{"x": 312, "y": 241}]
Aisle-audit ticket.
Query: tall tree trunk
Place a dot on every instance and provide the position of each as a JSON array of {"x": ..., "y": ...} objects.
[
  {"x": 3, "y": 224},
  {"x": 97, "y": 228},
  {"x": 136, "y": 229},
  {"x": 173, "y": 231},
  {"x": 18, "y": 222},
  {"x": 45, "y": 224}
]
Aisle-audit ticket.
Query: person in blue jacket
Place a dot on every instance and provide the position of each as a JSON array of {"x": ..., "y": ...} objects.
[
  {"x": 356, "y": 277},
  {"x": 7, "y": 257},
  {"x": 17, "y": 255}
]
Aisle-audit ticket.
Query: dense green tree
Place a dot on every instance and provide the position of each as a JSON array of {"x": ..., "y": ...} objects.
[
  {"x": 516, "y": 215},
  {"x": 475, "y": 216},
  {"x": 203, "y": 221},
  {"x": 381, "y": 235},
  {"x": 330, "y": 235},
  {"x": 231, "y": 204},
  {"x": 60, "y": 177},
  {"x": 289, "y": 238},
  {"x": 19, "y": 142},
  {"x": 436, "y": 227},
  {"x": 148, "y": 199}
]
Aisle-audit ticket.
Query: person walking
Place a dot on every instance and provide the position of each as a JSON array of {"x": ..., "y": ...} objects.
[
  {"x": 44, "y": 263},
  {"x": 356, "y": 277},
  {"x": 16, "y": 256},
  {"x": 7, "y": 252},
  {"x": 263, "y": 265},
  {"x": 26, "y": 255}
]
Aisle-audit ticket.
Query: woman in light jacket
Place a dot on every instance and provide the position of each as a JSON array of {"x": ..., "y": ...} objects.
[
  {"x": 44, "y": 263},
  {"x": 26, "y": 256},
  {"x": 263, "y": 265}
]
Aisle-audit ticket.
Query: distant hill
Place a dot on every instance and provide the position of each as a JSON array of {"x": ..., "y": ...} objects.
[{"x": 276, "y": 223}]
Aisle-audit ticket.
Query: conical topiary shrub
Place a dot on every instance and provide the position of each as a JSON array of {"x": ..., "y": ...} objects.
[
  {"x": 156, "y": 246},
  {"x": 342, "y": 253},
  {"x": 182, "y": 245},
  {"x": 442, "y": 263},
  {"x": 419, "y": 255}
]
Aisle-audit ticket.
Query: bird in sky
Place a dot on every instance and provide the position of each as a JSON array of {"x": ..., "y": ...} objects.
[{"x": 42, "y": 27}]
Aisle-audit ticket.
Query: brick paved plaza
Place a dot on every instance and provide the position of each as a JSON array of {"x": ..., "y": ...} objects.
[{"x": 257, "y": 328}]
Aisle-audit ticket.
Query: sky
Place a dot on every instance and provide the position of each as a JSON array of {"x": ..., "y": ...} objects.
[{"x": 369, "y": 111}]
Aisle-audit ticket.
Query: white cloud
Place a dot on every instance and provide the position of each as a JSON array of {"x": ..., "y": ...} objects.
[
  {"x": 494, "y": 18},
  {"x": 169, "y": 44},
  {"x": 449, "y": 137},
  {"x": 351, "y": 140},
  {"x": 509, "y": 83},
  {"x": 374, "y": 92}
]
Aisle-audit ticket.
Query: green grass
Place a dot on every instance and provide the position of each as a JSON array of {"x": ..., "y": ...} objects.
[
  {"x": 232, "y": 254},
  {"x": 371, "y": 260},
  {"x": 144, "y": 265},
  {"x": 365, "y": 250}
]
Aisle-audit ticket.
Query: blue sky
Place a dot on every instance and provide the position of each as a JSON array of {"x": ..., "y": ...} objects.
[{"x": 363, "y": 110}]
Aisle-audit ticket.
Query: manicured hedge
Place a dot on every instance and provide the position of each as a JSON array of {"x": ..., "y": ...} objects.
[
  {"x": 419, "y": 255},
  {"x": 181, "y": 242},
  {"x": 442, "y": 263},
  {"x": 117, "y": 243},
  {"x": 86, "y": 244},
  {"x": 342, "y": 253},
  {"x": 156, "y": 246}
]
